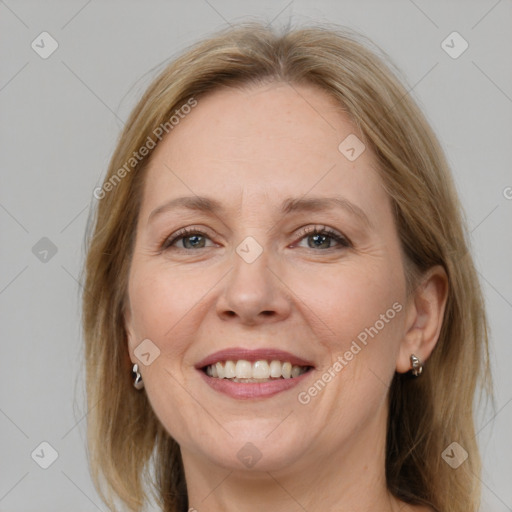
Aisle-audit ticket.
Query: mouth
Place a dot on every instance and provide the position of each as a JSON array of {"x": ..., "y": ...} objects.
[
  {"x": 242, "y": 373},
  {"x": 257, "y": 371}
]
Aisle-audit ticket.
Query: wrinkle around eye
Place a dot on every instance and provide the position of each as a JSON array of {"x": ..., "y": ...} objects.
[{"x": 287, "y": 230}]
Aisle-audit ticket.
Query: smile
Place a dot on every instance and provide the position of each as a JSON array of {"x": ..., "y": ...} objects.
[
  {"x": 257, "y": 371},
  {"x": 244, "y": 374}
]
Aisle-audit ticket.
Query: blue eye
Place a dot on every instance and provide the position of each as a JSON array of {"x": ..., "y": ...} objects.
[
  {"x": 191, "y": 238},
  {"x": 322, "y": 238},
  {"x": 194, "y": 239}
]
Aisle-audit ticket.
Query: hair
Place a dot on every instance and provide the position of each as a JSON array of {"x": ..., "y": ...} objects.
[{"x": 126, "y": 440}]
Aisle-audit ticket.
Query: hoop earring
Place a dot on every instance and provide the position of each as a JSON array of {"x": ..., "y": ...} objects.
[
  {"x": 416, "y": 366},
  {"x": 138, "y": 384}
]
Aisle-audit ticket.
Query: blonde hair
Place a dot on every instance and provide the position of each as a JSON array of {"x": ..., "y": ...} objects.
[{"x": 126, "y": 440}]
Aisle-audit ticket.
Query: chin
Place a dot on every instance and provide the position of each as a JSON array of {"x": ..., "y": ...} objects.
[{"x": 255, "y": 446}]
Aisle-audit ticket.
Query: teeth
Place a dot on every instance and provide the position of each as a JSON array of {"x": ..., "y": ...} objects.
[
  {"x": 220, "y": 370},
  {"x": 287, "y": 370},
  {"x": 229, "y": 370},
  {"x": 295, "y": 371},
  {"x": 245, "y": 371},
  {"x": 276, "y": 369},
  {"x": 260, "y": 370}
]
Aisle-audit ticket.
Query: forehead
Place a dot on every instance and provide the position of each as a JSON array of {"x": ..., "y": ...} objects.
[{"x": 260, "y": 143}]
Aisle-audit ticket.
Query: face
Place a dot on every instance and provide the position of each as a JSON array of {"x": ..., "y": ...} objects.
[{"x": 288, "y": 282}]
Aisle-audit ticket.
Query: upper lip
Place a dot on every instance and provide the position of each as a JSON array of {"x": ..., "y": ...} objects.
[{"x": 262, "y": 354}]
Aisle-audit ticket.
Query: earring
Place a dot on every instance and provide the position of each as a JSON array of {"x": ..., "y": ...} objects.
[
  {"x": 416, "y": 365},
  {"x": 138, "y": 384}
]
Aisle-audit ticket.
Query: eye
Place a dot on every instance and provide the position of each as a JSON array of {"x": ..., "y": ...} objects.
[
  {"x": 189, "y": 237},
  {"x": 321, "y": 238}
]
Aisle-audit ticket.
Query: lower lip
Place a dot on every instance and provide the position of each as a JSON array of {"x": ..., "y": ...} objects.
[{"x": 248, "y": 390}]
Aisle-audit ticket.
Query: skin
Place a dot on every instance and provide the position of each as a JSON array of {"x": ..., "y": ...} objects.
[{"x": 250, "y": 148}]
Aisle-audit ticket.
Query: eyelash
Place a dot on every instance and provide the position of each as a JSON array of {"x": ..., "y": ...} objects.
[{"x": 309, "y": 231}]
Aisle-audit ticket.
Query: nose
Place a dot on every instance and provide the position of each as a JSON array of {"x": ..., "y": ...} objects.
[{"x": 253, "y": 293}]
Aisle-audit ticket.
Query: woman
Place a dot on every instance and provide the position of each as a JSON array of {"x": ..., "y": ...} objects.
[{"x": 280, "y": 311}]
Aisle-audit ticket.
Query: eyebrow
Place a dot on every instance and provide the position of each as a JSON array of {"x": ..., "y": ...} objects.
[{"x": 289, "y": 205}]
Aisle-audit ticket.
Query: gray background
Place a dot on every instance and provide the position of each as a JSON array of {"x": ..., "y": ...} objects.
[{"x": 60, "y": 118}]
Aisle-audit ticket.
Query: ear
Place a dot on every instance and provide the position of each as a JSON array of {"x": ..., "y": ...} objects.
[{"x": 424, "y": 318}]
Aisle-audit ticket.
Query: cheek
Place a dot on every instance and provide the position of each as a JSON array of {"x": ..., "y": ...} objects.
[
  {"x": 380, "y": 326},
  {"x": 353, "y": 298},
  {"x": 363, "y": 310},
  {"x": 161, "y": 300},
  {"x": 163, "y": 303},
  {"x": 359, "y": 312}
]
